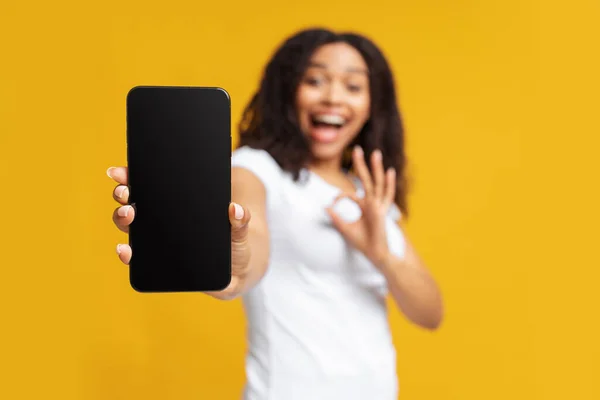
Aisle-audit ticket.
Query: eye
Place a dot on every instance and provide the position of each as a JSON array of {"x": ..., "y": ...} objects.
[
  {"x": 313, "y": 81},
  {"x": 355, "y": 88}
]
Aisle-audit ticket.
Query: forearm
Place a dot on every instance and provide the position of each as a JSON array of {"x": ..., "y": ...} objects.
[
  {"x": 258, "y": 243},
  {"x": 413, "y": 289},
  {"x": 252, "y": 261},
  {"x": 250, "y": 235}
]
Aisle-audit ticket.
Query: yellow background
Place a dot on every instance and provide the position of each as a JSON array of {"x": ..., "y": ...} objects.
[{"x": 501, "y": 105}]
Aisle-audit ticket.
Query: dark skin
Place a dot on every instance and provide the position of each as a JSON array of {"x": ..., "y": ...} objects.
[
  {"x": 411, "y": 285},
  {"x": 336, "y": 86}
]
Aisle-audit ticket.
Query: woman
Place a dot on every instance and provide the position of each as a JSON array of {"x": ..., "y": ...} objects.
[{"x": 318, "y": 187}]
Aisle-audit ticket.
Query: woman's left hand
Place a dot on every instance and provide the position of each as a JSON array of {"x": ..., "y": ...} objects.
[{"x": 368, "y": 234}]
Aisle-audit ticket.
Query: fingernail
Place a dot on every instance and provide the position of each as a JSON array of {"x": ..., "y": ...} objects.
[
  {"x": 120, "y": 190},
  {"x": 377, "y": 155},
  {"x": 123, "y": 211},
  {"x": 239, "y": 211},
  {"x": 358, "y": 150},
  {"x": 108, "y": 171},
  {"x": 119, "y": 249}
]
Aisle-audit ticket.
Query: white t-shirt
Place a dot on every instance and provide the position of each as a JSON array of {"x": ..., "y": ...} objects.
[{"x": 317, "y": 321}]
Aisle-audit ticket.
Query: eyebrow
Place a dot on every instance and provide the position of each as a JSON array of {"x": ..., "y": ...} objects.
[{"x": 351, "y": 69}]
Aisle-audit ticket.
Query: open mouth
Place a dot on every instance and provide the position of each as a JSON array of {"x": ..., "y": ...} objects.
[
  {"x": 328, "y": 120},
  {"x": 325, "y": 128}
]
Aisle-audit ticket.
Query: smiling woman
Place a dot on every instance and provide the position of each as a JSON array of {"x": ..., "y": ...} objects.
[
  {"x": 321, "y": 93},
  {"x": 317, "y": 319},
  {"x": 333, "y": 99},
  {"x": 322, "y": 130}
]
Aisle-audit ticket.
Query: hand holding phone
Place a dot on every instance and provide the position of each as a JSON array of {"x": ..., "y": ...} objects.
[
  {"x": 176, "y": 191},
  {"x": 124, "y": 215}
]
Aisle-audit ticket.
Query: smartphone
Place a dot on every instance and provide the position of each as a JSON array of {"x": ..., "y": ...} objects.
[{"x": 179, "y": 166}]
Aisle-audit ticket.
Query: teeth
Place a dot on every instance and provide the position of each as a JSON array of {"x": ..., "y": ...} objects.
[{"x": 330, "y": 119}]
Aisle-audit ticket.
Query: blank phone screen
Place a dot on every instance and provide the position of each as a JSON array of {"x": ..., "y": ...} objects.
[{"x": 179, "y": 160}]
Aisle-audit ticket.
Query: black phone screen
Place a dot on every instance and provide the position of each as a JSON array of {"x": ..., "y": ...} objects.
[{"x": 179, "y": 166}]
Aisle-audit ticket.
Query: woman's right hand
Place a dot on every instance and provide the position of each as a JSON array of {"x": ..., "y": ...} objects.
[{"x": 239, "y": 218}]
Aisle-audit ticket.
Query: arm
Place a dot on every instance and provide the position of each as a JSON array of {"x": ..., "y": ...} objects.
[
  {"x": 247, "y": 233},
  {"x": 248, "y": 190},
  {"x": 413, "y": 288},
  {"x": 410, "y": 284}
]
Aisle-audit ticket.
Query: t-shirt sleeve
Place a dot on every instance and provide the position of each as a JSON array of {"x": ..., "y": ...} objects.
[
  {"x": 394, "y": 212},
  {"x": 262, "y": 165},
  {"x": 396, "y": 239}
]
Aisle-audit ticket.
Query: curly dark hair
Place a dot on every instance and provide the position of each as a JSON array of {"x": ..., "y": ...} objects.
[{"x": 269, "y": 121}]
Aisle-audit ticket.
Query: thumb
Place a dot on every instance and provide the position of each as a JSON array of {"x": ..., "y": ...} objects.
[
  {"x": 338, "y": 222},
  {"x": 239, "y": 217},
  {"x": 355, "y": 206}
]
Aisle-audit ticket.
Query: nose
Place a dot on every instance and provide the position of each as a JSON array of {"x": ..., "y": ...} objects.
[{"x": 334, "y": 94}]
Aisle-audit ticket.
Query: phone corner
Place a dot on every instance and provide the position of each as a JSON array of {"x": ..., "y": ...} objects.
[
  {"x": 223, "y": 285},
  {"x": 132, "y": 91},
  {"x": 135, "y": 287},
  {"x": 224, "y": 92}
]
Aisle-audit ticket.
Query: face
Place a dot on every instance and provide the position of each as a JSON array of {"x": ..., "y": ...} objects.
[{"x": 333, "y": 100}]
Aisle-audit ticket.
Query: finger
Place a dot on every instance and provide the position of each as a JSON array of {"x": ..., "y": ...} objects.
[
  {"x": 123, "y": 216},
  {"x": 352, "y": 196},
  {"x": 239, "y": 217},
  {"x": 124, "y": 253},
  {"x": 229, "y": 293},
  {"x": 342, "y": 224},
  {"x": 378, "y": 174},
  {"x": 338, "y": 222},
  {"x": 119, "y": 174},
  {"x": 390, "y": 187},
  {"x": 358, "y": 160},
  {"x": 121, "y": 194}
]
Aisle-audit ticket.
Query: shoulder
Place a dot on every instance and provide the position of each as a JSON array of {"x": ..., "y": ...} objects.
[
  {"x": 261, "y": 164},
  {"x": 394, "y": 212},
  {"x": 246, "y": 155}
]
